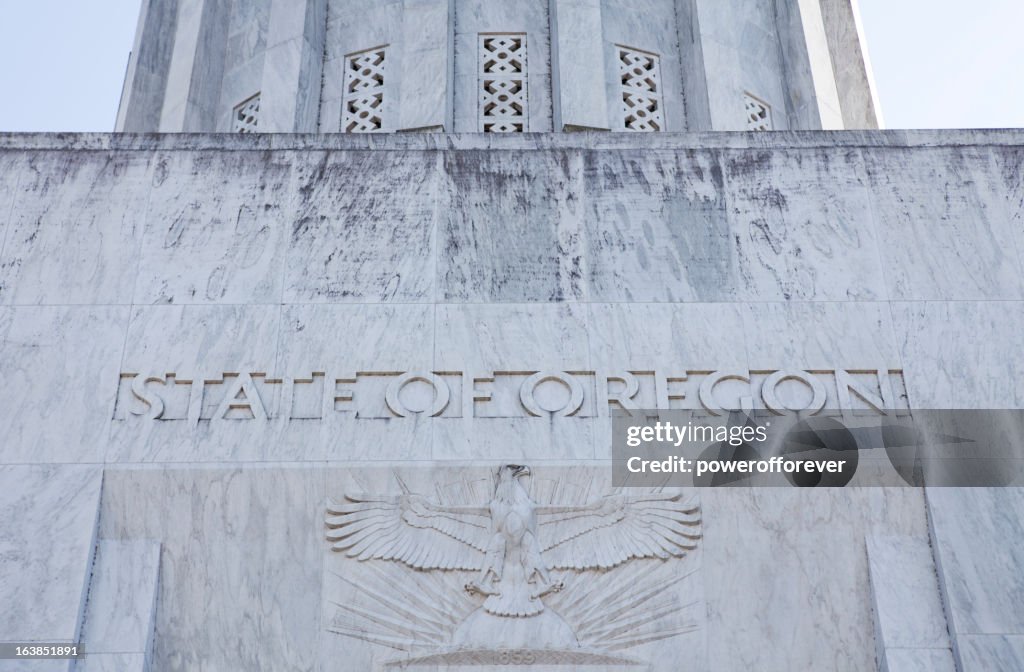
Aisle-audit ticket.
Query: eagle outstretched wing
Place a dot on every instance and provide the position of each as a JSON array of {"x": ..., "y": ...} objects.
[
  {"x": 617, "y": 528},
  {"x": 409, "y": 529}
]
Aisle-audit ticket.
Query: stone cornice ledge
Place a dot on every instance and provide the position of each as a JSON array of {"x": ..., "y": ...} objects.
[{"x": 509, "y": 142}]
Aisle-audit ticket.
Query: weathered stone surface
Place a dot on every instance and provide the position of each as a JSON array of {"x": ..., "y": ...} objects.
[
  {"x": 355, "y": 238},
  {"x": 571, "y": 254},
  {"x": 46, "y": 547},
  {"x": 339, "y": 313},
  {"x": 74, "y": 229},
  {"x": 113, "y": 662},
  {"x": 919, "y": 660},
  {"x": 217, "y": 239},
  {"x": 240, "y": 566}
]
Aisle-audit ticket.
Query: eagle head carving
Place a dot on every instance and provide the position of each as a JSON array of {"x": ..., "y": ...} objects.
[{"x": 508, "y": 487}]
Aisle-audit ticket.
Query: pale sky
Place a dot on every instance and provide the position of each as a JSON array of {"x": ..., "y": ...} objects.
[{"x": 937, "y": 63}]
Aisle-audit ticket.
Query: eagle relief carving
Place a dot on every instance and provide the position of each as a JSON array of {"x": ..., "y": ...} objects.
[{"x": 496, "y": 572}]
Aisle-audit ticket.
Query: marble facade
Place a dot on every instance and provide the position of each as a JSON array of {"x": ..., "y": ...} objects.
[{"x": 178, "y": 544}]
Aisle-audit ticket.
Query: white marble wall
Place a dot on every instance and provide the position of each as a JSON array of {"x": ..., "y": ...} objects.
[
  {"x": 853, "y": 74},
  {"x": 119, "y": 622},
  {"x": 47, "y": 545},
  {"x": 145, "y": 81},
  {"x": 741, "y": 53},
  {"x": 240, "y": 562},
  {"x": 287, "y": 256},
  {"x": 910, "y": 626},
  {"x": 578, "y": 69},
  {"x": 981, "y": 591}
]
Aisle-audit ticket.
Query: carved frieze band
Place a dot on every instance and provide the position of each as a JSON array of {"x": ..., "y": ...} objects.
[{"x": 256, "y": 395}]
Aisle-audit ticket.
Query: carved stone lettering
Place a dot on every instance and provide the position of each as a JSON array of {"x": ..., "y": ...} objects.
[
  {"x": 441, "y": 394},
  {"x": 571, "y": 403},
  {"x": 503, "y": 394}
]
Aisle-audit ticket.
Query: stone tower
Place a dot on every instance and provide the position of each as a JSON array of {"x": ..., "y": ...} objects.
[
  {"x": 467, "y": 66},
  {"x": 338, "y": 401}
]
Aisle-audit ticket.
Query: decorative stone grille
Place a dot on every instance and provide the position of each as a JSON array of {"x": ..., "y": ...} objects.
[
  {"x": 758, "y": 113},
  {"x": 363, "y": 104},
  {"x": 246, "y": 115},
  {"x": 503, "y": 83},
  {"x": 640, "y": 74}
]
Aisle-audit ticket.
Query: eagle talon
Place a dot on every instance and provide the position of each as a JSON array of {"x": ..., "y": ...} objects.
[
  {"x": 549, "y": 588},
  {"x": 473, "y": 587}
]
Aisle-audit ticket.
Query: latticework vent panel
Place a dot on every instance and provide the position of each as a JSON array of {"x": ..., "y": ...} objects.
[
  {"x": 503, "y": 88},
  {"x": 246, "y": 115},
  {"x": 640, "y": 76},
  {"x": 758, "y": 113},
  {"x": 363, "y": 104}
]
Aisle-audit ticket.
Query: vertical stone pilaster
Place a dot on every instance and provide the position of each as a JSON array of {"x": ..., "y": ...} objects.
[
  {"x": 119, "y": 623},
  {"x": 801, "y": 109},
  {"x": 293, "y": 67},
  {"x": 852, "y": 65},
  {"x": 691, "y": 63},
  {"x": 196, "y": 69},
  {"x": 826, "y": 94},
  {"x": 578, "y": 66},
  {"x": 910, "y": 626},
  {"x": 427, "y": 37},
  {"x": 188, "y": 26},
  {"x": 145, "y": 81},
  {"x": 812, "y": 101}
]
